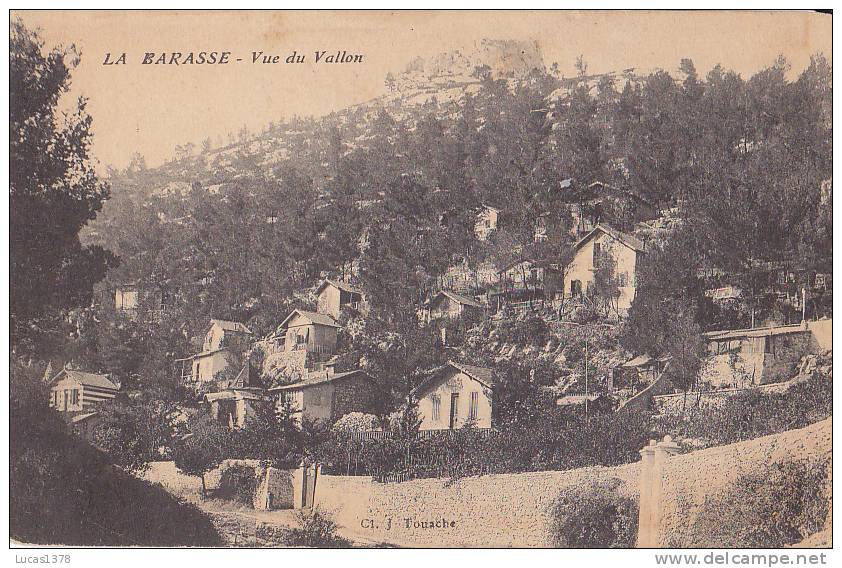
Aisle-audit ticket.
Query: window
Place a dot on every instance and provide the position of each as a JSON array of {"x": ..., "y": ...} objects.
[
  {"x": 436, "y": 400},
  {"x": 597, "y": 251},
  {"x": 75, "y": 396},
  {"x": 623, "y": 277},
  {"x": 575, "y": 287},
  {"x": 472, "y": 413},
  {"x": 55, "y": 399}
]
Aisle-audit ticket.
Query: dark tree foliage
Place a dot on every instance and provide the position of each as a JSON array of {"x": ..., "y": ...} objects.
[
  {"x": 386, "y": 196},
  {"x": 54, "y": 190}
]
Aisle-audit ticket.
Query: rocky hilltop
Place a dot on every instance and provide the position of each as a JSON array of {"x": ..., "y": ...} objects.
[{"x": 505, "y": 58}]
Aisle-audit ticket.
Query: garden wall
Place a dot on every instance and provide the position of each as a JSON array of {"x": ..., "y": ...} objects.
[
  {"x": 690, "y": 478},
  {"x": 515, "y": 509},
  {"x": 491, "y": 510}
]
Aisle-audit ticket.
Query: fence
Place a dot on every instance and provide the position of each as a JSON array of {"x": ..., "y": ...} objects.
[{"x": 422, "y": 434}]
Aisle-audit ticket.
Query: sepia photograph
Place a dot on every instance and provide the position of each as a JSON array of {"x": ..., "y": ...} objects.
[{"x": 421, "y": 279}]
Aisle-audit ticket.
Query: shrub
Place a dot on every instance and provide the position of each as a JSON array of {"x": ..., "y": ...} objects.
[
  {"x": 238, "y": 483},
  {"x": 315, "y": 529},
  {"x": 594, "y": 517},
  {"x": 754, "y": 413},
  {"x": 779, "y": 506},
  {"x": 357, "y": 422},
  {"x": 553, "y": 441}
]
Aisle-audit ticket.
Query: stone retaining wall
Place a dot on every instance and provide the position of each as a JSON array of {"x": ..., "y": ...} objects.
[
  {"x": 485, "y": 511},
  {"x": 691, "y": 478}
]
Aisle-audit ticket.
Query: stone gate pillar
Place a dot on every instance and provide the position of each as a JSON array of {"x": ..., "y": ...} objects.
[
  {"x": 653, "y": 459},
  {"x": 647, "y": 458}
]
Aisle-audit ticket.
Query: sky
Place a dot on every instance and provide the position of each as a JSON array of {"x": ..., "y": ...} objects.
[{"x": 152, "y": 108}]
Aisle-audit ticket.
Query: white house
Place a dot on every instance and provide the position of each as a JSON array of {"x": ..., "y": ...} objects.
[
  {"x": 312, "y": 332},
  {"x": 454, "y": 395},
  {"x": 604, "y": 244},
  {"x": 125, "y": 298},
  {"x": 486, "y": 222},
  {"x": 77, "y": 391},
  {"x": 215, "y": 355},
  {"x": 333, "y": 295}
]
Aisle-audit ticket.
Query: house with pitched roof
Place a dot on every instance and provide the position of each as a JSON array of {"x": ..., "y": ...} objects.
[
  {"x": 80, "y": 391},
  {"x": 305, "y": 341},
  {"x": 333, "y": 295},
  {"x": 454, "y": 395},
  {"x": 447, "y": 304},
  {"x": 215, "y": 357},
  {"x": 310, "y": 332},
  {"x": 604, "y": 247},
  {"x": 327, "y": 395}
]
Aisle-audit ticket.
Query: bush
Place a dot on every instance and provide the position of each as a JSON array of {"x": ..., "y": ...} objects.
[
  {"x": 315, "y": 529},
  {"x": 356, "y": 422},
  {"x": 780, "y": 506},
  {"x": 754, "y": 413},
  {"x": 554, "y": 441},
  {"x": 594, "y": 517},
  {"x": 238, "y": 483}
]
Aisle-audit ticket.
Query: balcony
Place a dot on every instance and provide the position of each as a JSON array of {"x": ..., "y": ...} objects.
[{"x": 310, "y": 348}]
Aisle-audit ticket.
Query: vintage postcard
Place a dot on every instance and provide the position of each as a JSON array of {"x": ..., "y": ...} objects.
[{"x": 433, "y": 279}]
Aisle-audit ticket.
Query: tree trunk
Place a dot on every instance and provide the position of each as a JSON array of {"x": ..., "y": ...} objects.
[{"x": 204, "y": 487}]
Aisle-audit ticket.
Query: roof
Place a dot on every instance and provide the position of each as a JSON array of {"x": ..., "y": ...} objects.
[
  {"x": 754, "y": 332},
  {"x": 458, "y": 298},
  {"x": 87, "y": 379},
  {"x": 234, "y": 326},
  {"x": 639, "y": 361},
  {"x": 234, "y": 394},
  {"x": 82, "y": 417},
  {"x": 572, "y": 399},
  {"x": 532, "y": 261},
  {"x": 483, "y": 375},
  {"x": 341, "y": 285},
  {"x": 203, "y": 354},
  {"x": 316, "y": 318},
  {"x": 628, "y": 240},
  {"x": 318, "y": 379}
]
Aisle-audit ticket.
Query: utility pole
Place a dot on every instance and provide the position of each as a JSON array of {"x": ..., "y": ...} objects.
[
  {"x": 586, "y": 378},
  {"x": 803, "y": 304}
]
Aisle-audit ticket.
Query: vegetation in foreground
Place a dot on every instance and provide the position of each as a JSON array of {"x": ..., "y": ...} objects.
[
  {"x": 753, "y": 414},
  {"x": 779, "y": 506},
  {"x": 595, "y": 516},
  {"x": 63, "y": 491}
]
